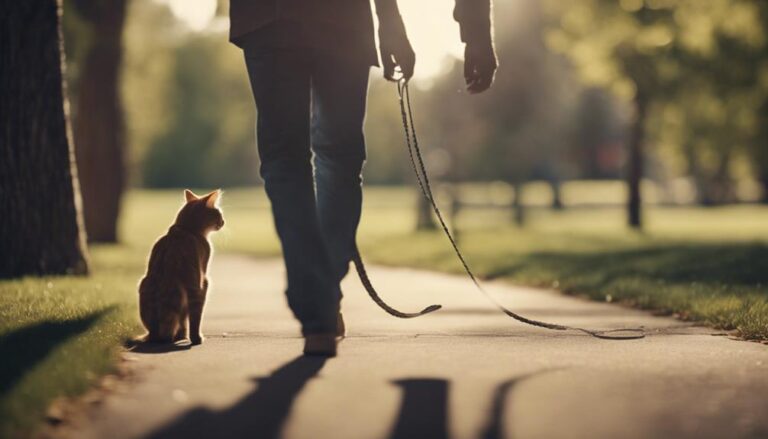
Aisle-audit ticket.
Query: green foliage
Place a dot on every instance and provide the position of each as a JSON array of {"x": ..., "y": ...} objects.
[
  {"x": 191, "y": 117},
  {"x": 520, "y": 129},
  {"x": 189, "y": 106},
  {"x": 385, "y": 148},
  {"x": 205, "y": 143},
  {"x": 78, "y": 37},
  {"x": 699, "y": 64},
  {"x": 681, "y": 265},
  {"x": 149, "y": 38}
]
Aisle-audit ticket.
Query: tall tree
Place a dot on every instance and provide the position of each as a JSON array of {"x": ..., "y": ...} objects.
[
  {"x": 647, "y": 51},
  {"x": 630, "y": 54},
  {"x": 760, "y": 145},
  {"x": 98, "y": 118},
  {"x": 760, "y": 151},
  {"x": 41, "y": 228}
]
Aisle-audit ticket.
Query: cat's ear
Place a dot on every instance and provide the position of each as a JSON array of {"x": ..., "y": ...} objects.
[
  {"x": 190, "y": 196},
  {"x": 212, "y": 198}
]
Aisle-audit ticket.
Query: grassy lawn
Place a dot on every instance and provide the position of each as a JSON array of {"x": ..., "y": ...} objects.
[
  {"x": 58, "y": 335},
  {"x": 704, "y": 265}
]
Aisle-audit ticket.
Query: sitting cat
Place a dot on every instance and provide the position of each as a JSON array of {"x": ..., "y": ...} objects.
[{"x": 175, "y": 286}]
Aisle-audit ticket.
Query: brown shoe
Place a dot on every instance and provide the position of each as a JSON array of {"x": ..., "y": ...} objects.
[
  {"x": 341, "y": 329},
  {"x": 320, "y": 344}
]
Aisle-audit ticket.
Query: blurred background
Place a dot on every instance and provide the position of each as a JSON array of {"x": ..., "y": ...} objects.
[
  {"x": 622, "y": 152},
  {"x": 597, "y": 103},
  {"x": 622, "y": 155}
]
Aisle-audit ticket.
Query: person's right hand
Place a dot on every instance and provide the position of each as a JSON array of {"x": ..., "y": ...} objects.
[
  {"x": 479, "y": 66},
  {"x": 396, "y": 51}
]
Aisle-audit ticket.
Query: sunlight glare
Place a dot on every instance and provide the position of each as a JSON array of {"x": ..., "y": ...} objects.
[
  {"x": 430, "y": 26},
  {"x": 196, "y": 14},
  {"x": 433, "y": 34}
]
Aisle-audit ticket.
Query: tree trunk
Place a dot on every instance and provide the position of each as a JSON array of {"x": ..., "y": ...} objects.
[
  {"x": 557, "y": 194},
  {"x": 760, "y": 146},
  {"x": 455, "y": 210},
  {"x": 722, "y": 183},
  {"x": 424, "y": 220},
  {"x": 634, "y": 171},
  {"x": 764, "y": 186},
  {"x": 98, "y": 123},
  {"x": 41, "y": 229},
  {"x": 760, "y": 151},
  {"x": 517, "y": 204},
  {"x": 703, "y": 193}
]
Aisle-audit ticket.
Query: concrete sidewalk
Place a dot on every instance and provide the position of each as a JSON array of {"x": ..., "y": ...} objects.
[{"x": 466, "y": 371}]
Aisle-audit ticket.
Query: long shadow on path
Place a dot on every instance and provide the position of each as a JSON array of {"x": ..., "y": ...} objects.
[
  {"x": 261, "y": 414},
  {"x": 495, "y": 429},
  {"x": 424, "y": 409}
]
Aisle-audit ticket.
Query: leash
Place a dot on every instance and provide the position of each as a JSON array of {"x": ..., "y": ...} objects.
[
  {"x": 366, "y": 281},
  {"x": 420, "y": 170}
]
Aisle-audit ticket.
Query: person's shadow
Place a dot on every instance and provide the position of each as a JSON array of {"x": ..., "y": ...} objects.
[
  {"x": 424, "y": 409},
  {"x": 261, "y": 413}
]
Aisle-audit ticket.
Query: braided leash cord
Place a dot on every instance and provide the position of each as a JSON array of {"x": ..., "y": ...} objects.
[
  {"x": 414, "y": 152},
  {"x": 366, "y": 281}
]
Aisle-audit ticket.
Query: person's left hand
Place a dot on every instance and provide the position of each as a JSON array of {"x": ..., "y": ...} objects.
[
  {"x": 396, "y": 51},
  {"x": 479, "y": 66}
]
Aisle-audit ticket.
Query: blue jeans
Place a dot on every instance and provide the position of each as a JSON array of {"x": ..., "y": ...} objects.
[{"x": 309, "y": 100}]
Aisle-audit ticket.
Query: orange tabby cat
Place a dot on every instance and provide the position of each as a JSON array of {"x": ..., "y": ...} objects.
[{"x": 174, "y": 288}]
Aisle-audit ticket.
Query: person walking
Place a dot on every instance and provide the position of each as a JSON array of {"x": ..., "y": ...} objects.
[{"x": 308, "y": 63}]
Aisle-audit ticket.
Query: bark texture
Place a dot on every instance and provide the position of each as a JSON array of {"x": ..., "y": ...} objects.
[
  {"x": 99, "y": 122},
  {"x": 41, "y": 229}
]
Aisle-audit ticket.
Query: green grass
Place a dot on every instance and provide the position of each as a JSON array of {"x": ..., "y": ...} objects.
[
  {"x": 59, "y": 334},
  {"x": 705, "y": 265}
]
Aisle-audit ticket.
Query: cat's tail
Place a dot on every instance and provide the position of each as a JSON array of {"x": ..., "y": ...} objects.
[{"x": 366, "y": 281}]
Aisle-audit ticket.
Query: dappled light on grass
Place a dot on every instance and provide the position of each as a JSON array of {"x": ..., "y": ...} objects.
[
  {"x": 81, "y": 321},
  {"x": 723, "y": 284}
]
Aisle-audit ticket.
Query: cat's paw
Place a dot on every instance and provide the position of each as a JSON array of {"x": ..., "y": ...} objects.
[{"x": 197, "y": 340}]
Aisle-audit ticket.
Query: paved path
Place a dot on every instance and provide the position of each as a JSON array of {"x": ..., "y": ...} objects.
[{"x": 464, "y": 372}]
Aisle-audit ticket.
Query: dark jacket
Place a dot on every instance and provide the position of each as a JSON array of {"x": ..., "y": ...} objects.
[{"x": 247, "y": 16}]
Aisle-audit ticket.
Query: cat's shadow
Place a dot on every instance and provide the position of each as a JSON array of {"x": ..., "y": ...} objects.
[{"x": 143, "y": 347}]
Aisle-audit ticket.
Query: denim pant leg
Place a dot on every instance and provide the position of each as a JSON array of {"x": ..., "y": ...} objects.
[
  {"x": 339, "y": 91},
  {"x": 281, "y": 84}
]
